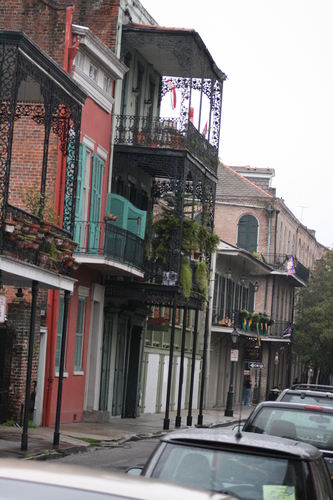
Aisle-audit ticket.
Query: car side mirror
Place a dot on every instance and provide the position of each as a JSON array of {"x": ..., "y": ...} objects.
[{"x": 134, "y": 471}]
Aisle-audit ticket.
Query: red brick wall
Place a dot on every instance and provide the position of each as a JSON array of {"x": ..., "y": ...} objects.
[
  {"x": 44, "y": 21},
  {"x": 27, "y": 159},
  {"x": 41, "y": 20},
  {"x": 19, "y": 321},
  {"x": 101, "y": 16}
]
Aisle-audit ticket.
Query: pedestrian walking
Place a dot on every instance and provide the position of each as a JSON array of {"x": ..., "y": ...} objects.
[{"x": 248, "y": 386}]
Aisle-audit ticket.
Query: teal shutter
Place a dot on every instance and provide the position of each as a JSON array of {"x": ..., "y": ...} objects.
[
  {"x": 95, "y": 204},
  {"x": 79, "y": 335},
  {"x": 79, "y": 193},
  {"x": 59, "y": 333}
]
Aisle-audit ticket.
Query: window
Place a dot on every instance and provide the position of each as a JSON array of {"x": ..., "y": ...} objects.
[
  {"x": 79, "y": 60},
  {"x": 107, "y": 84},
  {"x": 93, "y": 72},
  {"x": 59, "y": 333},
  {"x": 288, "y": 250},
  {"x": 247, "y": 233},
  {"x": 79, "y": 334}
]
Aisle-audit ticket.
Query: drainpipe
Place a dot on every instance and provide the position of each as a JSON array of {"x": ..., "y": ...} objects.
[
  {"x": 270, "y": 211},
  {"x": 275, "y": 237}
]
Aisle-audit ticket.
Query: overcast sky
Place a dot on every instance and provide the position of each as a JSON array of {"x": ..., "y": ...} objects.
[{"x": 277, "y": 108}]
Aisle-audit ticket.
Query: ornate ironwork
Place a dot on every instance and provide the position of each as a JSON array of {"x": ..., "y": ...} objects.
[
  {"x": 57, "y": 106},
  {"x": 151, "y": 294},
  {"x": 165, "y": 133}
]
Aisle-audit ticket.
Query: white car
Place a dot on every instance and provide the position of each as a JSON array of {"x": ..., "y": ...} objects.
[{"x": 44, "y": 480}]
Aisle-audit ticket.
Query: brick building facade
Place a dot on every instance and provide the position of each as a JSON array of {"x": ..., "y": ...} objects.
[{"x": 255, "y": 224}]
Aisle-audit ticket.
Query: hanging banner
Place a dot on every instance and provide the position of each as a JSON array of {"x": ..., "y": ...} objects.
[{"x": 290, "y": 266}]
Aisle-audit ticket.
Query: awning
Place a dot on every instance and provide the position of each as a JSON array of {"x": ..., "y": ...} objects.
[{"x": 21, "y": 274}]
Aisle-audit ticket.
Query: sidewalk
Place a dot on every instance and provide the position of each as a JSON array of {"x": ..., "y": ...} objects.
[{"x": 78, "y": 437}]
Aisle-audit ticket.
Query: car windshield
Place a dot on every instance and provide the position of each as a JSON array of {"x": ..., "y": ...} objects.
[
  {"x": 310, "y": 426},
  {"x": 310, "y": 399},
  {"x": 244, "y": 475}
]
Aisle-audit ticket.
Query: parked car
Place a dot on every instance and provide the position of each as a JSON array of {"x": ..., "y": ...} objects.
[
  {"x": 34, "y": 480},
  {"x": 308, "y": 423},
  {"x": 240, "y": 464},
  {"x": 308, "y": 393}
]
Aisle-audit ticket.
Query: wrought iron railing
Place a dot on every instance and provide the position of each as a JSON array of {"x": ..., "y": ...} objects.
[
  {"x": 22, "y": 244},
  {"x": 226, "y": 317},
  {"x": 279, "y": 262},
  {"x": 105, "y": 239},
  {"x": 279, "y": 327},
  {"x": 165, "y": 133}
]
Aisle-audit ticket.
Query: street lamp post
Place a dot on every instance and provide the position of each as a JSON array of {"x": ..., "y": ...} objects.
[{"x": 228, "y": 412}]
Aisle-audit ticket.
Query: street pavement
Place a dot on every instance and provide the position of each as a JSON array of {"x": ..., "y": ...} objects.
[{"x": 78, "y": 436}]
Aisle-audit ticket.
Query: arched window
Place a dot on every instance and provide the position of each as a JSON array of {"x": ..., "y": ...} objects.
[{"x": 247, "y": 233}]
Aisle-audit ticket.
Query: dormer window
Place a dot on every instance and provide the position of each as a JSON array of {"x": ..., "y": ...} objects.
[
  {"x": 107, "y": 84},
  {"x": 93, "y": 72},
  {"x": 79, "y": 60}
]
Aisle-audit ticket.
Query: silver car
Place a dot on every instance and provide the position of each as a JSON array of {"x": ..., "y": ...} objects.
[{"x": 43, "y": 480}]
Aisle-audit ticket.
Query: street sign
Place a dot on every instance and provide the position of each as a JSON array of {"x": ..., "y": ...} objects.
[
  {"x": 256, "y": 365},
  {"x": 234, "y": 355}
]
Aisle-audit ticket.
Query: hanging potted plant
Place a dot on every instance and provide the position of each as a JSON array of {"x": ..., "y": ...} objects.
[
  {"x": 185, "y": 279},
  {"x": 201, "y": 277}
]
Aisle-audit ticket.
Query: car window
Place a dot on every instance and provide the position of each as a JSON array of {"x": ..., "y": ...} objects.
[
  {"x": 309, "y": 426},
  {"x": 307, "y": 399},
  {"x": 247, "y": 476},
  {"x": 321, "y": 479}
]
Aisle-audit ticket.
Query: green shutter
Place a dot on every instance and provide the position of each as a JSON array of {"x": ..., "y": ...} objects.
[
  {"x": 95, "y": 204},
  {"x": 79, "y": 335},
  {"x": 127, "y": 214},
  {"x": 59, "y": 333},
  {"x": 248, "y": 233},
  {"x": 79, "y": 193}
]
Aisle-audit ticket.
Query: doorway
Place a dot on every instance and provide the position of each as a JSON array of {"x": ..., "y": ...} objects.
[
  {"x": 133, "y": 386},
  {"x": 106, "y": 364}
]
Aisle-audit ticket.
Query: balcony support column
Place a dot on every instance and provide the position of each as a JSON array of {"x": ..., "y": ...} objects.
[{"x": 166, "y": 424}]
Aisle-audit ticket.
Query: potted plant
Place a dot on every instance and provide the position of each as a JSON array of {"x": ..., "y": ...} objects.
[
  {"x": 9, "y": 225},
  {"x": 40, "y": 204}
]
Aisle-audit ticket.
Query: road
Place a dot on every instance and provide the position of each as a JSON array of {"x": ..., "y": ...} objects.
[{"x": 118, "y": 457}]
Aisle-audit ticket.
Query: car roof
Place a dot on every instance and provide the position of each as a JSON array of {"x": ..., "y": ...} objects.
[
  {"x": 299, "y": 389},
  {"x": 243, "y": 441},
  {"x": 93, "y": 480},
  {"x": 296, "y": 406},
  {"x": 313, "y": 387}
]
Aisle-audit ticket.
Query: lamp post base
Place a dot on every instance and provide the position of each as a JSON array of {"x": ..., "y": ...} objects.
[{"x": 229, "y": 412}]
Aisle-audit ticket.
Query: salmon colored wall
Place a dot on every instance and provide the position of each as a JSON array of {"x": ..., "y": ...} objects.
[{"x": 74, "y": 385}]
